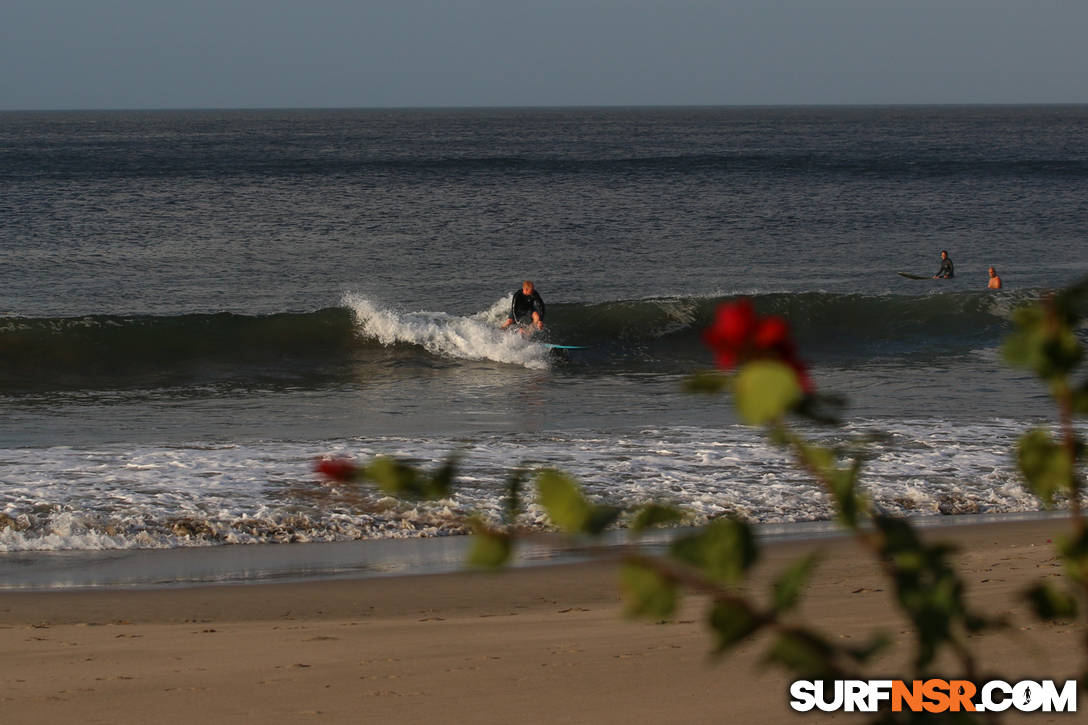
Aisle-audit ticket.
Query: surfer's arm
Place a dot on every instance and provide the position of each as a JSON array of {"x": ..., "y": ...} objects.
[
  {"x": 512, "y": 317},
  {"x": 538, "y": 310}
]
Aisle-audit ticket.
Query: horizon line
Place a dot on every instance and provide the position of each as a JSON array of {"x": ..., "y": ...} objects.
[{"x": 616, "y": 106}]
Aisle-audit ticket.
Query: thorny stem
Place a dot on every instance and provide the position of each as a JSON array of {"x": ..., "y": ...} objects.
[
  {"x": 871, "y": 542},
  {"x": 1064, "y": 397},
  {"x": 695, "y": 582},
  {"x": 698, "y": 583},
  {"x": 1069, "y": 440}
]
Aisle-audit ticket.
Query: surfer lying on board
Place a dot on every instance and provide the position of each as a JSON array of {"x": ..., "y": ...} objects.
[
  {"x": 946, "y": 271},
  {"x": 526, "y": 310}
]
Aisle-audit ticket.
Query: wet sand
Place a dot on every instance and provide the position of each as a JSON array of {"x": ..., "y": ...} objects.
[{"x": 540, "y": 644}]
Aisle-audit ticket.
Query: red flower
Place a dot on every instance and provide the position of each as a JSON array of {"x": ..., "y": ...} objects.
[
  {"x": 738, "y": 335},
  {"x": 802, "y": 374},
  {"x": 337, "y": 469},
  {"x": 771, "y": 332},
  {"x": 733, "y": 326}
]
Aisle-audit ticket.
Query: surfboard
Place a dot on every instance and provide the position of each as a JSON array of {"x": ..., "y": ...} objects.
[
  {"x": 911, "y": 276},
  {"x": 550, "y": 346}
]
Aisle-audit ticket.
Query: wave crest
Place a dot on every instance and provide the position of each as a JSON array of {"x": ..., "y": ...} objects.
[
  {"x": 330, "y": 345},
  {"x": 476, "y": 337}
]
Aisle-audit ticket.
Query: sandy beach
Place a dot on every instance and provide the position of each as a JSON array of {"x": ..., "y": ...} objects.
[
  {"x": 199, "y": 302},
  {"x": 541, "y": 644}
]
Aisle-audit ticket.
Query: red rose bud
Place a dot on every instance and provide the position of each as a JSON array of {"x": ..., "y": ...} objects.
[
  {"x": 338, "y": 469},
  {"x": 738, "y": 335},
  {"x": 771, "y": 332},
  {"x": 733, "y": 325},
  {"x": 802, "y": 375},
  {"x": 727, "y": 359}
]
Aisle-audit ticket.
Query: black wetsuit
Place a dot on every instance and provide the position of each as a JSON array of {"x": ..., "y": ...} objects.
[
  {"x": 523, "y": 306},
  {"x": 946, "y": 271}
]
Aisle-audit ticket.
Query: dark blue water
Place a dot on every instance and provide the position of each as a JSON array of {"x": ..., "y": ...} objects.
[
  {"x": 261, "y": 212},
  {"x": 196, "y": 303}
]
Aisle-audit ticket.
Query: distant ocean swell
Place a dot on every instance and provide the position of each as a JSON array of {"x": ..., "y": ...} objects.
[
  {"x": 330, "y": 345},
  {"x": 203, "y": 160}
]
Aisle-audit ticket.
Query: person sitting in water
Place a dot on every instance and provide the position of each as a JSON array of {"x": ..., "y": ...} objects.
[
  {"x": 526, "y": 309},
  {"x": 946, "y": 271},
  {"x": 995, "y": 281}
]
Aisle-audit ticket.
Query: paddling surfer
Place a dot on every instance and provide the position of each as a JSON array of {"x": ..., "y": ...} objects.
[
  {"x": 946, "y": 271},
  {"x": 526, "y": 309}
]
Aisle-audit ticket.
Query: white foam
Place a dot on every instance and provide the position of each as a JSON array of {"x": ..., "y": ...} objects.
[
  {"x": 476, "y": 337},
  {"x": 118, "y": 497}
]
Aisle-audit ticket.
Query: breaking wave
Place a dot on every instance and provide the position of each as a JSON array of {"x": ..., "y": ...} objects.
[
  {"x": 476, "y": 337},
  {"x": 331, "y": 345}
]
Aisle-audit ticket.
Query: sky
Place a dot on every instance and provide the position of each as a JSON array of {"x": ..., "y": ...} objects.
[{"x": 83, "y": 54}]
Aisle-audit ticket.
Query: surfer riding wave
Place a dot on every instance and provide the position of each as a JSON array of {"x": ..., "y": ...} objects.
[{"x": 526, "y": 310}]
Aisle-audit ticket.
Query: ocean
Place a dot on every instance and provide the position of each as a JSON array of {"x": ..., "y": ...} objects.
[{"x": 194, "y": 305}]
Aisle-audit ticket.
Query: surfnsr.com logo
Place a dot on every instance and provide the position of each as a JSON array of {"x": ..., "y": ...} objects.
[{"x": 933, "y": 695}]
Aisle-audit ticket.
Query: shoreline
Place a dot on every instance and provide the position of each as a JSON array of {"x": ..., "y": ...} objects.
[
  {"x": 248, "y": 564},
  {"x": 539, "y": 644}
]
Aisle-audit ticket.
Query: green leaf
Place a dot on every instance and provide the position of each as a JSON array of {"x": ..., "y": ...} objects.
[
  {"x": 440, "y": 485},
  {"x": 515, "y": 482},
  {"x": 568, "y": 508},
  {"x": 1022, "y": 348},
  {"x": 404, "y": 480},
  {"x": 1080, "y": 399},
  {"x": 1046, "y": 465},
  {"x": 647, "y": 591},
  {"x": 865, "y": 652},
  {"x": 764, "y": 391},
  {"x": 562, "y": 499},
  {"x": 600, "y": 518},
  {"x": 848, "y": 502},
  {"x": 491, "y": 549},
  {"x": 840, "y": 482},
  {"x": 1049, "y": 603},
  {"x": 723, "y": 550},
  {"x": 805, "y": 653},
  {"x": 779, "y": 435},
  {"x": 822, "y": 408},
  {"x": 654, "y": 515},
  {"x": 789, "y": 585},
  {"x": 1044, "y": 341},
  {"x": 709, "y": 382},
  {"x": 1072, "y": 302},
  {"x": 927, "y": 588},
  {"x": 1074, "y": 551},
  {"x": 898, "y": 535},
  {"x": 731, "y": 622},
  {"x": 395, "y": 478}
]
